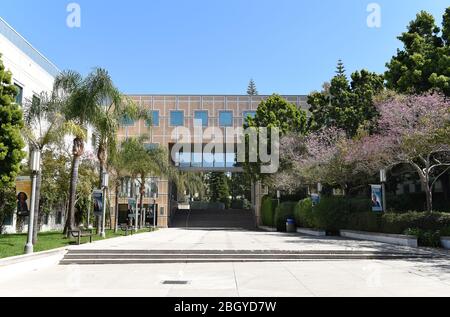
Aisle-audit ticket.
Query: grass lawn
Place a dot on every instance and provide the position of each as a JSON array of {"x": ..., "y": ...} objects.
[{"x": 14, "y": 244}]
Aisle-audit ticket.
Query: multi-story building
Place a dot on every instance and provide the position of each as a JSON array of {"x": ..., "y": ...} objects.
[
  {"x": 170, "y": 114},
  {"x": 32, "y": 74}
]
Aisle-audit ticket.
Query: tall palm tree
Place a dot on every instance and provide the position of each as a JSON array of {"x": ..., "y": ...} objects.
[
  {"x": 44, "y": 126},
  {"x": 83, "y": 102},
  {"x": 141, "y": 163}
]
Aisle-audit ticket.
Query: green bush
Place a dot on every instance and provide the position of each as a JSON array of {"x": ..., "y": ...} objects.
[
  {"x": 426, "y": 238},
  {"x": 398, "y": 223},
  {"x": 283, "y": 212},
  {"x": 304, "y": 214},
  {"x": 268, "y": 206},
  {"x": 445, "y": 232},
  {"x": 332, "y": 213},
  {"x": 364, "y": 221}
]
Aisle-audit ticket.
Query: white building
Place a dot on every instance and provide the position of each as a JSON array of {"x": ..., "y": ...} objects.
[{"x": 32, "y": 74}]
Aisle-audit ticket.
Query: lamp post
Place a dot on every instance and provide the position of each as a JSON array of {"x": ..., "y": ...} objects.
[
  {"x": 383, "y": 180},
  {"x": 319, "y": 188},
  {"x": 136, "y": 213},
  {"x": 35, "y": 167},
  {"x": 105, "y": 183},
  {"x": 154, "y": 196}
]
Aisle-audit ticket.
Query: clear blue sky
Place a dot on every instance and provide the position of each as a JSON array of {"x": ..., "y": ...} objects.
[{"x": 216, "y": 46}]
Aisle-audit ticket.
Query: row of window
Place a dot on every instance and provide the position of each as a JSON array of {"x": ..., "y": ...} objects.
[
  {"x": 177, "y": 118},
  {"x": 19, "y": 96}
]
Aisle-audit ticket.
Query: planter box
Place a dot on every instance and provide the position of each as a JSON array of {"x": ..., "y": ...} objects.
[
  {"x": 445, "y": 241},
  {"x": 396, "y": 239},
  {"x": 312, "y": 232},
  {"x": 269, "y": 229}
]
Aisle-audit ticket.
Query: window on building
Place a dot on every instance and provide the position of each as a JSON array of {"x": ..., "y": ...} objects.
[
  {"x": 127, "y": 121},
  {"x": 59, "y": 218},
  {"x": 155, "y": 119},
  {"x": 249, "y": 114},
  {"x": 177, "y": 118},
  {"x": 19, "y": 96},
  {"x": 8, "y": 221},
  {"x": 151, "y": 146},
  {"x": 226, "y": 119},
  {"x": 202, "y": 116},
  {"x": 36, "y": 100}
]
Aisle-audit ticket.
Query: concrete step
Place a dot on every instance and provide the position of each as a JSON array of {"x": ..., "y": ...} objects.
[{"x": 97, "y": 257}]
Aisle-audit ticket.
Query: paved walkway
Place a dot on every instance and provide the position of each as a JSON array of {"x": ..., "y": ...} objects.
[{"x": 317, "y": 278}]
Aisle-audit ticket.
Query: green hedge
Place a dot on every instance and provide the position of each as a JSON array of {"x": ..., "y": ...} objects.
[
  {"x": 268, "y": 206},
  {"x": 304, "y": 214},
  {"x": 336, "y": 213},
  {"x": 283, "y": 212}
]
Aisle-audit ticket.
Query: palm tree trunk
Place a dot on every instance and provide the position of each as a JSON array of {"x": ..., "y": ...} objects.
[
  {"x": 78, "y": 150},
  {"x": 72, "y": 194},
  {"x": 38, "y": 209}
]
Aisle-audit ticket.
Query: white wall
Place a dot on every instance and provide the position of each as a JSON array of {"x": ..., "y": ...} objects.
[
  {"x": 30, "y": 75},
  {"x": 26, "y": 72}
]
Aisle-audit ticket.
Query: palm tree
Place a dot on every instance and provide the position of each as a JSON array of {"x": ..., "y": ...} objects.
[
  {"x": 142, "y": 163},
  {"x": 83, "y": 103},
  {"x": 44, "y": 126},
  {"x": 192, "y": 183}
]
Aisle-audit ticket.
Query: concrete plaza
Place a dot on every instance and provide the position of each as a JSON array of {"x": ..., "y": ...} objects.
[{"x": 415, "y": 277}]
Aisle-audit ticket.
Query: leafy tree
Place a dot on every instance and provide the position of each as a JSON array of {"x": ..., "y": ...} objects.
[
  {"x": 252, "y": 90},
  {"x": 414, "y": 131},
  {"x": 44, "y": 126},
  {"x": 141, "y": 163},
  {"x": 275, "y": 112},
  {"x": 219, "y": 190},
  {"x": 344, "y": 104},
  {"x": 424, "y": 62},
  {"x": 11, "y": 142}
]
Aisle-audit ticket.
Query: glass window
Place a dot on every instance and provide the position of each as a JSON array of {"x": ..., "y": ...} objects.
[
  {"x": 8, "y": 221},
  {"x": 151, "y": 146},
  {"x": 219, "y": 160},
  {"x": 185, "y": 159},
  {"x": 197, "y": 159},
  {"x": 177, "y": 118},
  {"x": 226, "y": 119},
  {"x": 19, "y": 96},
  {"x": 127, "y": 121},
  {"x": 36, "y": 100},
  {"x": 155, "y": 119},
  {"x": 203, "y": 116},
  {"x": 230, "y": 159},
  {"x": 251, "y": 114}
]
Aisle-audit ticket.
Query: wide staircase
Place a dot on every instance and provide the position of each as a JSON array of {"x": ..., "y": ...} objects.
[{"x": 214, "y": 218}]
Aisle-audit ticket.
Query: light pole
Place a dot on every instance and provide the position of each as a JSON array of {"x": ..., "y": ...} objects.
[
  {"x": 383, "y": 180},
  {"x": 105, "y": 181},
  {"x": 35, "y": 167},
  {"x": 136, "y": 218},
  {"x": 154, "y": 196}
]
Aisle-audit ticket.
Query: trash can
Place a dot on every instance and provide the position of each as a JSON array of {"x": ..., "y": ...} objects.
[{"x": 291, "y": 226}]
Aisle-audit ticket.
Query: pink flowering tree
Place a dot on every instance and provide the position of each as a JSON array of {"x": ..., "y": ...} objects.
[
  {"x": 320, "y": 157},
  {"x": 412, "y": 130}
]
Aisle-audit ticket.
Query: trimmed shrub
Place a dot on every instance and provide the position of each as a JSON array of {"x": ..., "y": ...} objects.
[
  {"x": 332, "y": 213},
  {"x": 268, "y": 206},
  {"x": 398, "y": 223},
  {"x": 445, "y": 232},
  {"x": 283, "y": 212},
  {"x": 364, "y": 221},
  {"x": 304, "y": 214},
  {"x": 426, "y": 238}
]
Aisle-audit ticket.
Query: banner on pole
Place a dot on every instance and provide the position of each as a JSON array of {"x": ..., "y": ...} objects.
[
  {"x": 377, "y": 198},
  {"x": 97, "y": 197}
]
